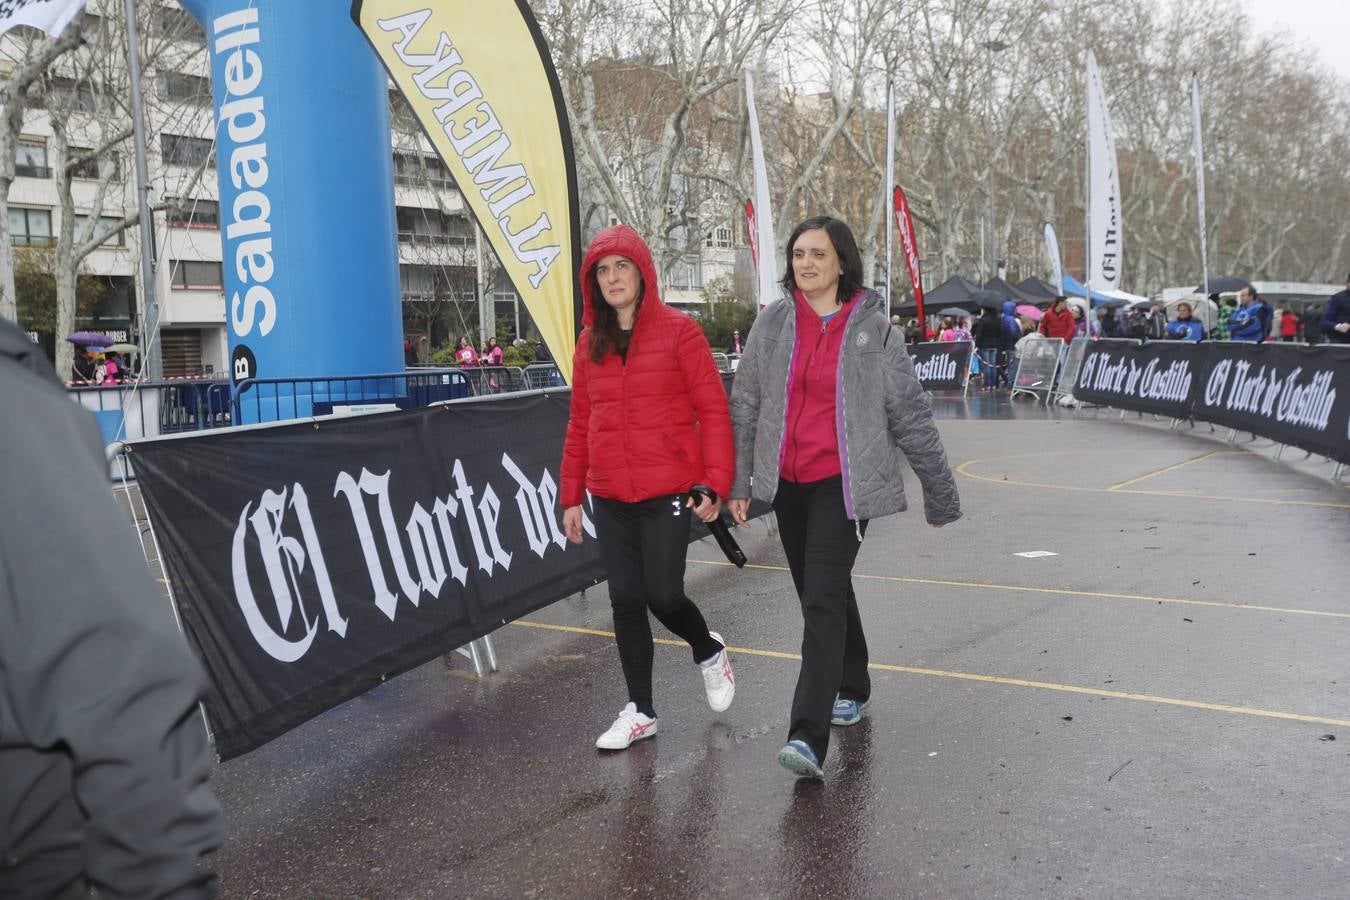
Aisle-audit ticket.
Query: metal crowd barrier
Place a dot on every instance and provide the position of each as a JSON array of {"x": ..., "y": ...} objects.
[
  {"x": 1038, "y": 363},
  {"x": 142, "y": 409},
  {"x": 279, "y": 399},
  {"x": 542, "y": 375},
  {"x": 1069, "y": 368}
]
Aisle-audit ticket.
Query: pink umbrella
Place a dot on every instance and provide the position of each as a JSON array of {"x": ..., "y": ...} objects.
[{"x": 1031, "y": 312}]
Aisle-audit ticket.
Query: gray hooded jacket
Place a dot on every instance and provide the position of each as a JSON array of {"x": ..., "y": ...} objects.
[{"x": 879, "y": 406}]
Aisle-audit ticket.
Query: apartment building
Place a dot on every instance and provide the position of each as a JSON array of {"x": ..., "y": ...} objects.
[{"x": 439, "y": 255}]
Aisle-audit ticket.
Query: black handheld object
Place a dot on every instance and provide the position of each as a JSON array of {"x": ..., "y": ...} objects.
[{"x": 719, "y": 528}]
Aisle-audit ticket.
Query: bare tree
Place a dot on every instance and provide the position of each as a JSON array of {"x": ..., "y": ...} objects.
[{"x": 35, "y": 56}]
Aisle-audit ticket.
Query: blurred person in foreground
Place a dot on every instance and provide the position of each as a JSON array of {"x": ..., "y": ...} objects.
[
  {"x": 103, "y": 753},
  {"x": 824, "y": 402}
]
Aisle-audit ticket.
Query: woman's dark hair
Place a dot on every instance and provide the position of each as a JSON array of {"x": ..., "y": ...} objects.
[
  {"x": 845, "y": 247},
  {"x": 605, "y": 323}
]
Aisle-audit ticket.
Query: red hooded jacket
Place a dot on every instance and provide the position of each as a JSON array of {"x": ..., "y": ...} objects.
[{"x": 656, "y": 424}]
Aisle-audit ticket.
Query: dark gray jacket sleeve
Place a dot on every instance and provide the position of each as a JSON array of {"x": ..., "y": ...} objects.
[
  {"x": 910, "y": 416},
  {"x": 91, "y": 659}
]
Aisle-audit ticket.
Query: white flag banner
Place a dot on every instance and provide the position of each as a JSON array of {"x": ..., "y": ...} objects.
[
  {"x": 1052, "y": 250},
  {"x": 52, "y": 16},
  {"x": 1200, "y": 179},
  {"x": 762, "y": 223},
  {"x": 890, "y": 182},
  {"x": 1104, "y": 220}
]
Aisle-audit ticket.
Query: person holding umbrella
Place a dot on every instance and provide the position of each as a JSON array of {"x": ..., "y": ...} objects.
[{"x": 824, "y": 397}]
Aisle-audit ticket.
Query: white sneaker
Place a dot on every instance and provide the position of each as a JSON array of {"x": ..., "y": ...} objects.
[
  {"x": 717, "y": 677},
  {"x": 629, "y": 727}
]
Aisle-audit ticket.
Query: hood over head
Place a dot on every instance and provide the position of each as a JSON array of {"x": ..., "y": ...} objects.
[
  {"x": 1009, "y": 308},
  {"x": 624, "y": 241},
  {"x": 15, "y": 345}
]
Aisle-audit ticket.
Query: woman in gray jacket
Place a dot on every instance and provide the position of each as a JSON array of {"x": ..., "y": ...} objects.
[{"x": 824, "y": 395}]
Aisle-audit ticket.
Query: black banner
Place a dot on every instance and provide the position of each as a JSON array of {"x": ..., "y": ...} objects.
[
  {"x": 1295, "y": 394},
  {"x": 1291, "y": 393},
  {"x": 1161, "y": 377},
  {"x": 309, "y": 562},
  {"x": 942, "y": 365}
]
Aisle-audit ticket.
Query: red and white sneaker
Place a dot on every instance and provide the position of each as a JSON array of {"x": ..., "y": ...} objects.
[
  {"x": 631, "y": 726},
  {"x": 717, "y": 678}
]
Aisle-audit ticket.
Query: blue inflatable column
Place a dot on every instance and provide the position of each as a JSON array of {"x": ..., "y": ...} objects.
[{"x": 307, "y": 225}]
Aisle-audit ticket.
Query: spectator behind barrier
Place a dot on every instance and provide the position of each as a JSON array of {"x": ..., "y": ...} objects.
[
  {"x": 1185, "y": 328},
  {"x": 1335, "y": 322},
  {"x": 1251, "y": 321}
]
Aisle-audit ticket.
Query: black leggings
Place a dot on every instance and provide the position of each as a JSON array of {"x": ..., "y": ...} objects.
[
  {"x": 643, "y": 547},
  {"x": 821, "y": 543}
]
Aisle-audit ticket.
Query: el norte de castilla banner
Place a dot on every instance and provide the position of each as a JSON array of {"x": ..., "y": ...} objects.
[
  {"x": 478, "y": 78},
  {"x": 1291, "y": 393}
]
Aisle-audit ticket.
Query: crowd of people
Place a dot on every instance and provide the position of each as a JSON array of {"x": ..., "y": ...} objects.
[{"x": 95, "y": 366}]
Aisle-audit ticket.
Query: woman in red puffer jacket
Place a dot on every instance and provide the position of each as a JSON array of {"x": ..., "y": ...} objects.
[{"x": 649, "y": 420}]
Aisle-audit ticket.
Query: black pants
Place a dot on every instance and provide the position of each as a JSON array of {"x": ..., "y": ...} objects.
[
  {"x": 821, "y": 543},
  {"x": 643, "y": 547}
]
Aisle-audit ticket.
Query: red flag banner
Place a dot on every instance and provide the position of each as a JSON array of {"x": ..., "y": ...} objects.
[{"x": 906, "y": 226}]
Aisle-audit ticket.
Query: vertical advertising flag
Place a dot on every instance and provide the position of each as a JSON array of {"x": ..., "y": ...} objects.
[
  {"x": 1104, "y": 220},
  {"x": 890, "y": 185},
  {"x": 760, "y": 219},
  {"x": 1052, "y": 250},
  {"x": 909, "y": 242},
  {"x": 1200, "y": 179},
  {"x": 478, "y": 78},
  {"x": 52, "y": 16},
  {"x": 308, "y": 237}
]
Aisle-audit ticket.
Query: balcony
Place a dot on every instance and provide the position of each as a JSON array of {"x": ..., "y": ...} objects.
[{"x": 25, "y": 171}]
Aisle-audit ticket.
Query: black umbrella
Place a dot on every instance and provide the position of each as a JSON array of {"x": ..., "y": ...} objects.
[
  {"x": 1112, "y": 304},
  {"x": 1228, "y": 284},
  {"x": 987, "y": 300},
  {"x": 955, "y": 312},
  {"x": 1142, "y": 304}
]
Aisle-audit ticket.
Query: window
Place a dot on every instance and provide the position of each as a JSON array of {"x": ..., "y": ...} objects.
[
  {"x": 192, "y": 276},
  {"x": 30, "y": 227},
  {"x": 30, "y": 160},
  {"x": 105, "y": 224},
  {"x": 193, "y": 213},
  {"x": 176, "y": 24},
  {"x": 416, "y": 170},
  {"x": 686, "y": 275},
  {"x": 92, "y": 168},
  {"x": 67, "y": 94},
  {"x": 177, "y": 87},
  {"x": 90, "y": 27},
  {"x": 431, "y": 226},
  {"x": 719, "y": 238},
  {"x": 185, "y": 151},
  {"x": 401, "y": 116}
]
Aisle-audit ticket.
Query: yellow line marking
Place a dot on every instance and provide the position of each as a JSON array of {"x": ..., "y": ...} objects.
[
  {"x": 1060, "y": 591},
  {"x": 962, "y": 470},
  {"x": 1203, "y": 456},
  {"x": 994, "y": 679}
]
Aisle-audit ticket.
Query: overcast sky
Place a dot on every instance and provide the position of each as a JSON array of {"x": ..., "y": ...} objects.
[{"x": 1324, "y": 24}]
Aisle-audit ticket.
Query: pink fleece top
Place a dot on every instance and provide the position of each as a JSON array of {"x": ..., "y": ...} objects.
[{"x": 811, "y": 445}]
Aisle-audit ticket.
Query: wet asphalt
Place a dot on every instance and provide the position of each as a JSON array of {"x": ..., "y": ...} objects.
[{"x": 1160, "y": 709}]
